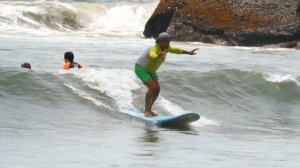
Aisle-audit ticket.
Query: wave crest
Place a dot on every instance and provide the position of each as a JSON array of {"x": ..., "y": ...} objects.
[{"x": 49, "y": 16}]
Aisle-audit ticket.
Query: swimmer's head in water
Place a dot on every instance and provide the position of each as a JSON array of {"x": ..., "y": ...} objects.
[
  {"x": 69, "y": 56},
  {"x": 26, "y": 65}
]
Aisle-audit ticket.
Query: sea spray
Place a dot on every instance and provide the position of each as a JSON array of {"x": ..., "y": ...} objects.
[{"x": 48, "y": 17}]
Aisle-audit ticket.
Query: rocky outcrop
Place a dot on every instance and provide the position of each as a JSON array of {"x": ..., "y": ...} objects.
[{"x": 228, "y": 22}]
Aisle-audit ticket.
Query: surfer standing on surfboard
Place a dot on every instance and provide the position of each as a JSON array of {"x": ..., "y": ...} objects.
[{"x": 147, "y": 65}]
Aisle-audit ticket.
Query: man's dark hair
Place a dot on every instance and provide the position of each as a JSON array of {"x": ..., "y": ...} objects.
[
  {"x": 70, "y": 56},
  {"x": 26, "y": 65}
]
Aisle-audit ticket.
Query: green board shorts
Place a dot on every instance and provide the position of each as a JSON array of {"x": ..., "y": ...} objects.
[{"x": 143, "y": 74}]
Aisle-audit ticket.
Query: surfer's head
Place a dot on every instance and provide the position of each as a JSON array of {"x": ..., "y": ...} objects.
[
  {"x": 69, "y": 57},
  {"x": 26, "y": 65},
  {"x": 163, "y": 40}
]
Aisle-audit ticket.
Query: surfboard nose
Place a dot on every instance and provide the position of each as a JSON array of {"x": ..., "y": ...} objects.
[
  {"x": 180, "y": 120},
  {"x": 192, "y": 117}
]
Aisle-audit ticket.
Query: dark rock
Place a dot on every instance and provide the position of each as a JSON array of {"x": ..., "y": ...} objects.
[
  {"x": 290, "y": 44},
  {"x": 298, "y": 9},
  {"x": 234, "y": 22},
  {"x": 152, "y": 29}
]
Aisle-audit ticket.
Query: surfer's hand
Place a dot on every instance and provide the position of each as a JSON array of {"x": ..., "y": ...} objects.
[{"x": 193, "y": 52}]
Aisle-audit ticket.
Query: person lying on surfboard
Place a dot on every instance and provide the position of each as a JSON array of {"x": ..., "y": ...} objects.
[
  {"x": 147, "y": 65},
  {"x": 69, "y": 61}
]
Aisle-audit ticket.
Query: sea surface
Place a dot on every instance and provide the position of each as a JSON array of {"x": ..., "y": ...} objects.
[{"x": 248, "y": 98}]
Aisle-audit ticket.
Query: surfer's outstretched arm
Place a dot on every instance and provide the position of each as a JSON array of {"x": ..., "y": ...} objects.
[{"x": 192, "y": 52}]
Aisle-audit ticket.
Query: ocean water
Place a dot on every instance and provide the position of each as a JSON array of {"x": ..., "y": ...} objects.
[{"x": 248, "y": 98}]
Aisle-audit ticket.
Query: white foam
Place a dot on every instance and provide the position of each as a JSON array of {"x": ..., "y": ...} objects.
[
  {"x": 115, "y": 83},
  {"x": 169, "y": 106},
  {"x": 122, "y": 20},
  {"x": 204, "y": 121},
  {"x": 80, "y": 17},
  {"x": 281, "y": 78}
]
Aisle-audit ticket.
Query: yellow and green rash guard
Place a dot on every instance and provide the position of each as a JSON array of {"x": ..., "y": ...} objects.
[{"x": 150, "y": 61}]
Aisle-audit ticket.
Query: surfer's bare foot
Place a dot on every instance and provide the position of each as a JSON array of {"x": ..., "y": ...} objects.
[
  {"x": 148, "y": 114},
  {"x": 153, "y": 114}
]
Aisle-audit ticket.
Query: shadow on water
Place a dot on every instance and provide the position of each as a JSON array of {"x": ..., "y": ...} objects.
[
  {"x": 151, "y": 134},
  {"x": 184, "y": 129},
  {"x": 153, "y": 142},
  {"x": 177, "y": 127}
]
